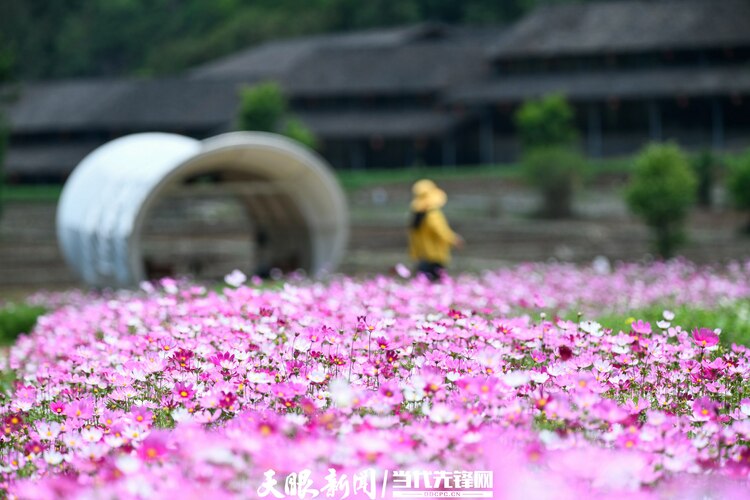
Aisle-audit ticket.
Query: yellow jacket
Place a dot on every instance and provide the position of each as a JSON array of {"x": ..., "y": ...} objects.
[{"x": 433, "y": 239}]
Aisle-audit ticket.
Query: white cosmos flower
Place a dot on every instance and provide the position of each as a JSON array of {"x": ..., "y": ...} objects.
[
  {"x": 602, "y": 366},
  {"x": 341, "y": 393},
  {"x": 592, "y": 328},
  {"x": 235, "y": 278},
  {"x": 440, "y": 413},
  {"x": 317, "y": 376},
  {"x": 515, "y": 378},
  {"x": 92, "y": 435},
  {"x": 302, "y": 345},
  {"x": 53, "y": 457},
  {"x": 257, "y": 377},
  {"x": 539, "y": 377}
]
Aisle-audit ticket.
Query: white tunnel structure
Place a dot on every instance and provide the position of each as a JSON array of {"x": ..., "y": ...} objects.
[{"x": 107, "y": 198}]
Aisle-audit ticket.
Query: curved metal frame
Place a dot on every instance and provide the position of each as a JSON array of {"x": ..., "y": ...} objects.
[{"x": 107, "y": 198}]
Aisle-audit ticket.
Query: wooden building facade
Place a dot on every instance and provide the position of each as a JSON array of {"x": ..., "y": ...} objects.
[{"x": 431, "y": 94}]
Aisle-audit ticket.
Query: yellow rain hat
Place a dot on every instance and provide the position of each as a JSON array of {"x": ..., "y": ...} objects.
[{"x": 427, "y": 196}]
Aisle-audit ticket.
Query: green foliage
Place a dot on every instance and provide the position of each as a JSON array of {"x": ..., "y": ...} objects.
[
  {"x": 546, "y": 122},
  {"x": 738, "y": 182},
  {"x": 17, "y": 319},
  {"x": 65, "y": 38},
  {"x": 555, "y": 171},
  {"x": 661, "y": 191},
  {"x": 262, "y": 107},
  {"x": 733, "y": 320},
  {"x": 35, "y": 193},
  {"x": 297, "y": 130},
  {"x": 706, "y": 166},
  {"x": 6, "y": 61}
]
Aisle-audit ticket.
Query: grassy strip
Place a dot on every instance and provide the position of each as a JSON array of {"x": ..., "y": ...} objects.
[
  {"x": 17, "y": 319},
  {"x": 39, "y": 193},
  {"x": 352, "y": 180},
  {"x": 734, "y": 320}
]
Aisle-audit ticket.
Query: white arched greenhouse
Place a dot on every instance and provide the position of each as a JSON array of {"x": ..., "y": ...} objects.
[{"x": 155, "y": 204}]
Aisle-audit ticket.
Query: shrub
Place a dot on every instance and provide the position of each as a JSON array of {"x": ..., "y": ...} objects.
[
  {"x": 661, "y": 191},
  {"x": 705, "y": 166},
  {"x": 544, "y": 122},
  {"x": 262, "y": 107},
  {"x": 738, "y": 183},
  {"x": 297, "y": 130},
  {"x": 17, "y": 319},
  {"x": 550, "y": 162},
  {"x": 555, "y": 171}
]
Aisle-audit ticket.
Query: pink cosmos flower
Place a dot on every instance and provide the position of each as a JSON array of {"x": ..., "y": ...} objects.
[
  {"x": 154, "y": 447},
  {"x": 704, "y": 409},
  {"x": 391, "y": 394},
  {"x": 224, "y": 360},
  {"x": 641, "y": 327},
  {"x": 538, "y": 356},
  {"x": 184, "y": 392},
  {"x": 82, "y": 409},
  {"x": 142, "y": 416},
  {"x": 57, "y": 407},
  {"x": 183, "y": 357},
  {"x": 227, "y": 400},
  {"x": 705, "y": 337},
  {"x": 381, "y": 343}
]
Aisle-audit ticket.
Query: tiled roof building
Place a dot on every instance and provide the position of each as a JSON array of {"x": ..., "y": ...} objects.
[{"x": 435, "y": 94}]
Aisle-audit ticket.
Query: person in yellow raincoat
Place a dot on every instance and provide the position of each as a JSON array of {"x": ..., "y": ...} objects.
[{"x": 430, "y": 236}]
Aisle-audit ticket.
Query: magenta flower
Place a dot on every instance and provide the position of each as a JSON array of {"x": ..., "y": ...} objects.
[
  {"x": 453, "y": 378},
  {"x": 705, "y": 337},
  {"x": 154, "y": 447},
  {"x": 227, "y": 400},
  {"x": 183, "y": 392},
  {"x": 224, "y": 360},
  {"x": 704, "y": 409},
  {"x": 57, "y": 407},
  {"x": 565, "y": 352},
  {"x": 381, "y": 343},
  {"x": 183, "y": 357}
]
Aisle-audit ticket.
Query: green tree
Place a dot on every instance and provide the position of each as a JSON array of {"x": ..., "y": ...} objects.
[
  {"x": 549, "y": 121},
  {"x": 738, "y": 183},
  {"x": 551, "y": 161},
  {"x": 661, "y": 191},
  {"x": 264, "y": 108},
  {"x": 66, "y": 38}
]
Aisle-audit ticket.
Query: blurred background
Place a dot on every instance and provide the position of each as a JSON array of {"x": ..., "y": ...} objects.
[{"x": 561, "y": 130}]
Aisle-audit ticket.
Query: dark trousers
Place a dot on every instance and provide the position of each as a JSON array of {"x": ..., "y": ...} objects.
[{"x": 432, "y": 270}]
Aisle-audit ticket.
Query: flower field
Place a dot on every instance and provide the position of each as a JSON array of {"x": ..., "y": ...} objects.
[{"x": 320, "y": 389}]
